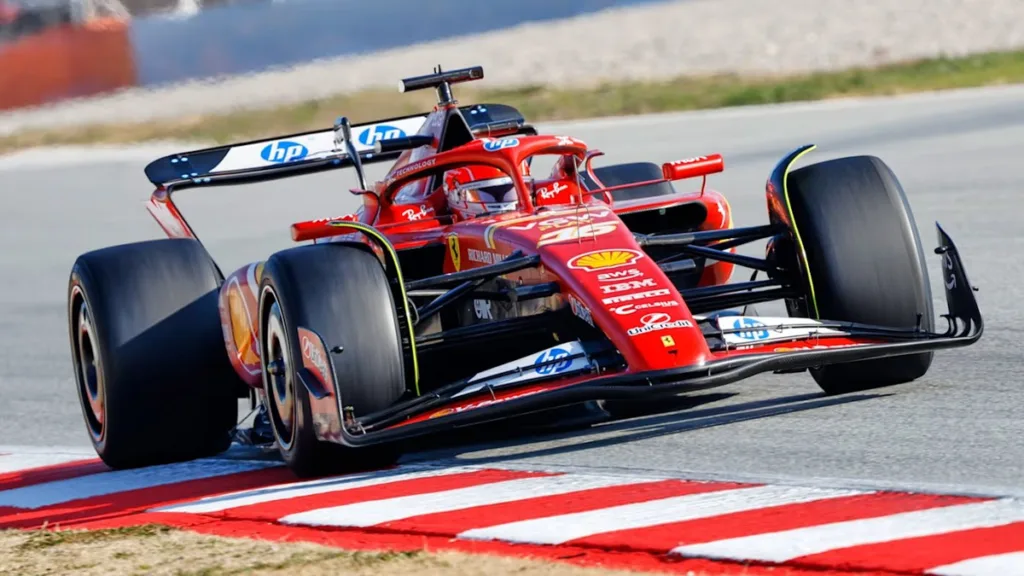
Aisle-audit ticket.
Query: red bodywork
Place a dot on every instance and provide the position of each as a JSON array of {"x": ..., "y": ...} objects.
[{"x": 604, "y": 275}]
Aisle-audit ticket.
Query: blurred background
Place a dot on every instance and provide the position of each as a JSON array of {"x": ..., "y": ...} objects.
[
  {"x": 51, "y": 50},
  {"x": 139, "y": 60}
]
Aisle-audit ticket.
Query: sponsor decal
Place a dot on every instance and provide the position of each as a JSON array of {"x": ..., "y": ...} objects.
[
  {"x": 657, "y": 321},
  {"x": 948, "y": 261},
  {"x": 764, "y": 329},
  {"x": 636, "y": 296},
  {"x": 314, "y": 353},
  {"x": 441, "y": 412},
  {"x": 578, "y": 233},
  {"x": 455, "y": 252},
  {"x": 526, "y": 369},
  {"x": 530, "y": 222},
  {"x": 482, "y": 403},
  {"x": 345, "y": 218},
  {"x": 667, "y": 341},
  {"x": 605, "y": 259},
  {"x": 814, "y": 347},
  {"x": 619, "y": 275},
  {"x": 689, "y": 160},
  {"x": 242, "y": 335},
  {"x": 500, "y": 144},
  {"x": 566, "y": 141},
  {"x": 484, "y": 256},
  {"x": 752, "y": 333},
  {"x": 547, "y": 194},
  {"x": 424, "y": 212},
  {"x": 632, "y": 308},
  {"x": 545, "y": 364},
  {"x": 409, "y": 168},
  {"x": 284, "y": 151},
  {"x": 631, "y": 285},
  {"x": 570, "y": 220},
  {"x": 373, "y": 134},
  {"x": 482, "y": 309},
  {"x": 580, "y": 310}
]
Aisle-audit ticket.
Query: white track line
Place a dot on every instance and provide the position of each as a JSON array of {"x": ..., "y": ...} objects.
[
  {"x": 790, "y": 544},
  {"x": 309, "y": 488},
  {"x": 104, "y": 483},
  {"x": 559, "y": 529},
  {"x": 1010, "y": 564},
  {"x": 392, "y": 509},
  {"x": 25, "y": 462}
]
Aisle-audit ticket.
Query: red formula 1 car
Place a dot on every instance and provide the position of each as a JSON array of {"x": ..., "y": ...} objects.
[{"x": 469, "y": 288}]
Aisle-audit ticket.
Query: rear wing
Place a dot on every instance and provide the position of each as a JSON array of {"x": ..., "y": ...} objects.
[{"x": 309, "y": 152}]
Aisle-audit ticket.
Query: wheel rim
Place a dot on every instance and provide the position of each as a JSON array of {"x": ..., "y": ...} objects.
[
  {"x": 90, "y": 374},
  {"x": 279, "y": 381}
]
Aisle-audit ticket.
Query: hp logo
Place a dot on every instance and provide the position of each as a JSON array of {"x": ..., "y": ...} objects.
[
  {"x": 554, "y": 367},
  {"x": 284, "y": 151},
  {"x": 750, "y": 334},
  {"x": 495, "y": 145},
  {"x": 375, "y": 134}
]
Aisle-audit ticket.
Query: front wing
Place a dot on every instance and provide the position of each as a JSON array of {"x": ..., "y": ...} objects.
[{"x": 582, "y": 376}]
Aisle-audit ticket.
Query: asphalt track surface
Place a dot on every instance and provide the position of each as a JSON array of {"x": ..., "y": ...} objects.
[{"x": 959, "y": 429}]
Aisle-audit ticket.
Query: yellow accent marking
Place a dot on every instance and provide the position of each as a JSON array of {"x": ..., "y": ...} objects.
[
  {"x": 455, "y": 252},
  {"x": 667, "y": 341},
  {"x": 796, "y": 232},
  {"x": 370, "y": 231}
]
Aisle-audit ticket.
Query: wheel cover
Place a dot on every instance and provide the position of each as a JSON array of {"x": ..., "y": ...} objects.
[
  {"x": 90, "y": 373},
  {"x": 279, "y": 378}
]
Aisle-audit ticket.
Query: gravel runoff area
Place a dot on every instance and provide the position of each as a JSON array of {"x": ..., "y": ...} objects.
[{"x": 654, "y": 41}]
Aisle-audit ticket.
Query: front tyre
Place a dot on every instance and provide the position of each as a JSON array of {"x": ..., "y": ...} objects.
[
  {"x": 341, "y": 293},
  {"x": 865, "y": 262}
]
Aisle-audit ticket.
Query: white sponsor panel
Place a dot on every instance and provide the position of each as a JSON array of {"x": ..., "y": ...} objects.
[
  {"x": 309, "y": 146},
  {"x": 757, "y": 330},
  {"x": 535, "y": 366}
]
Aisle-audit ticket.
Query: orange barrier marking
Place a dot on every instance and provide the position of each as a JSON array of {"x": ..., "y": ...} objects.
[{"x": 66, "y": 62}]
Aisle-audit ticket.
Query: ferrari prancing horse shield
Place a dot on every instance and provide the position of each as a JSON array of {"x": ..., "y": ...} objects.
[{"x": 453, "y": 250}]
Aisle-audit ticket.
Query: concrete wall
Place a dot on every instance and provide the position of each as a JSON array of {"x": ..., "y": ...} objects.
[{"x": 250, "y": 37}]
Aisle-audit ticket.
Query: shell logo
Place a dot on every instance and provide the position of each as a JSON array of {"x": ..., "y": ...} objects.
[{"x": 603, "y": 259}]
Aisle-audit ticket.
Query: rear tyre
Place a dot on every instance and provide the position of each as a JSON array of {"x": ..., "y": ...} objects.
[
  {"x": 341, "y": 293},
  {"x": 154, "y": 380},
  {"x": 865, "y": 260}
]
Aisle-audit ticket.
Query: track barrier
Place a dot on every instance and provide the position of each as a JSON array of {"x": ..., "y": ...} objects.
[{"x": 66, "y": 62}]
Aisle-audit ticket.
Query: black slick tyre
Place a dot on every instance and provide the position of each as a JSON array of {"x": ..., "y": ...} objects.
[
  {"x": 341, "y": 293},
  {"x": 865, "y": 261},
  {"x": 154, "y": 381}
]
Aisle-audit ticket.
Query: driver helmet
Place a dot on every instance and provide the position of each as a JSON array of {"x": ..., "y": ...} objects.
[{"x": 476, "y": 190}]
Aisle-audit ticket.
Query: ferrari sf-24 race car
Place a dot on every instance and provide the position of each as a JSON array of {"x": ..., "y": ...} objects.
[{"x": 467, "y": 289}]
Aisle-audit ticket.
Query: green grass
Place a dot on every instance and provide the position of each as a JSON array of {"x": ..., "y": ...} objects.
[
  {"x": 540, "y": 103},
  {"x": 42, "y": 539}
]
